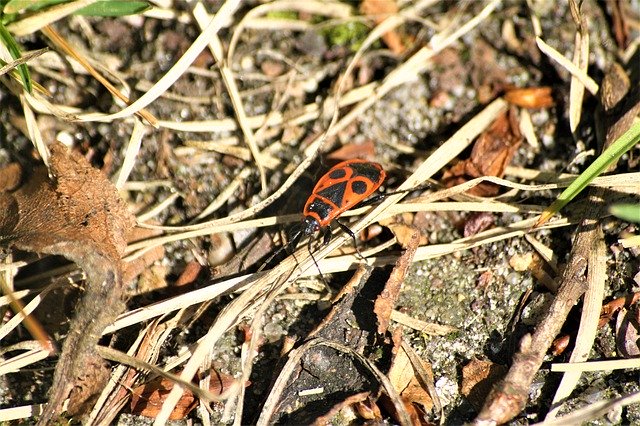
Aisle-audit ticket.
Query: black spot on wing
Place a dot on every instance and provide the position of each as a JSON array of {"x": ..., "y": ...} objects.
[
  {"x": 359, "y": 187},
  {"x": 334, "y": 193},
  {"x": 366, "y": 170},
  {"x": 337, "y": 173}
]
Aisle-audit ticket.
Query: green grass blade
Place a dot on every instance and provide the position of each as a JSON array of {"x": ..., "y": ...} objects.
[
  {"x": 608, "y": 157},
  {"x": 627, "y": 212},
  {"x": 114, "y": 8},
  {"x": 14, "y": 50}
]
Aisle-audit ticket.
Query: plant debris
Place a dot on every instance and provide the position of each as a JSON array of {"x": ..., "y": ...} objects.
[{"x": 78, "y": 214}]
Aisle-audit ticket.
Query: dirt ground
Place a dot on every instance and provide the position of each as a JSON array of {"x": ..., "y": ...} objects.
[{"x": 457, "y": 279}]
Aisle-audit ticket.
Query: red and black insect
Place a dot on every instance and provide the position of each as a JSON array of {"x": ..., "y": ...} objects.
[
  {"x": 341, "y": 188},
  {"x": 345, "y": 185}
]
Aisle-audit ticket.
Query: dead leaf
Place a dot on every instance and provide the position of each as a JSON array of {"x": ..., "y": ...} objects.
[
  {"x": 138, "y": 265},
  {"x": 478, "y": 222},
  {"x": 386, "y": 301},
  {"x": 610, "y": 308},
  {"x": 147, "y": 399},
  {"x": 530, "y": 97},
  {"x": 402, "y": 226},
  {"x": 189, "y": 273},
  {"x": 628, "y": 333},
  {"x": 491, "y": 154},
  {"x": 74, "y": 211},
  {"x": 333, "y": 412},
  {"x": 478, "y": 377},
  {"x": 379, "y": 10},
  {"x": 560, "y": 344},
  {"x": 403, "y": 378},
  {"x": 369, "y": 410},
  {"x": 349, "y": 151}
]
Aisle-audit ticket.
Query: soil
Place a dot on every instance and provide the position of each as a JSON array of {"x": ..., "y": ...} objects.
[{"x": 476, "y": 290}]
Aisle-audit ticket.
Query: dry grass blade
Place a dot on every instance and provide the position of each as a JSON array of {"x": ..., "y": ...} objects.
[
  {"x": 33, "y": 23},
  {"x": 586, "y": 335},
  {"x": 122, "y": 358},
  {"x": 219, "y": 20},
  {"x": 22, "y": 360},
  {"x": 23, "y": 60},
  {"x": 35, "y": 136},
  {"x": 580, "y": 60},
  {"x": 131, "y": 152},
  {"x": 422, "y": 326},
  {"x": 22, "y": 315},
  {"x": 593, "y": 411},
  {"x": 232, "y": 89},
  {"x": 18, "y": 413},
  {"x": 576, "y": 72},
  {"x": 606, "y": 365},
  {"x": 59, "y": 41}
]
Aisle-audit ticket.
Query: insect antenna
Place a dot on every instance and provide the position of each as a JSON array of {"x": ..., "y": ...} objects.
[
  {"x": 315, "y": 262},
  {"x": 381, "y": 196}
]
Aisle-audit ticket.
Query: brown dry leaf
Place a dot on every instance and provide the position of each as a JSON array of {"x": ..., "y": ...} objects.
[
  {"x": 189, "y": 274},
  {"x": 619, "y": 11},
  {"x": 78, "y": 214},
  {"x": 478, "y": 377},
  {"x": 478, "y": 222},
  {"x": 628, "y": 333},
  {"x": 379, "y": 10},
  {"x": 403, "y": 228},
  {"x": 387, "y": 299},
  {"x": 369, "y": 410},
  {"x": 560, "y": 344},
  {"x": 147, "y": 399},
  {"x": 536, "y": 265},
  {"x": 138, "y": 265},
  {"x": 77, "y": 206},
  {"x": 335, "y": 410},
  {"x": 491, "y": 154},
  {"x": 10, "y": 177},
  {"x": 530, "y": 97},
  {"x": 610, "y": 308},
  {"x": 404, "y": 380},
  {"x": 349, "y": 151}
]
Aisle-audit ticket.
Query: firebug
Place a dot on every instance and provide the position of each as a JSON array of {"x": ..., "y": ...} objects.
[{"x": 341, "y": 188}]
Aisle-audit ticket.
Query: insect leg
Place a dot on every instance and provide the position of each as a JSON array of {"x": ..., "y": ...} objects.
[
  {"x": 346, "y": 229},
  {"x": 326, "y": 235}
]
